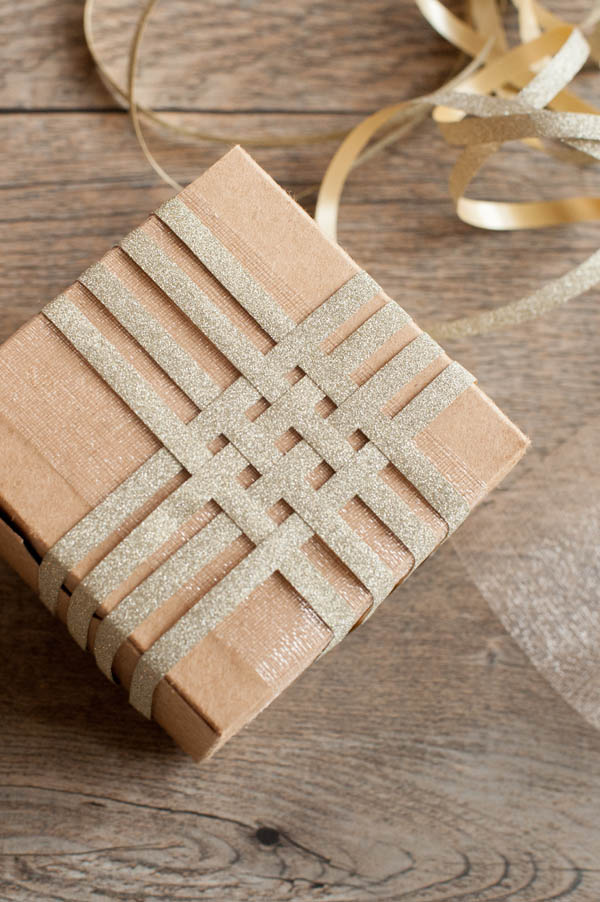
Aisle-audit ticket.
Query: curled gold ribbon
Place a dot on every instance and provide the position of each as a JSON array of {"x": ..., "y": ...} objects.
[
  {"x": 125, "y": 94},
  {"x": 539, "y": 82}
]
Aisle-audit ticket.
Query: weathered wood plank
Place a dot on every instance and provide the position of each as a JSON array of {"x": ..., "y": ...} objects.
[
  {"x": 225, "y": 56},
  {"x": 437, "y": 758}
]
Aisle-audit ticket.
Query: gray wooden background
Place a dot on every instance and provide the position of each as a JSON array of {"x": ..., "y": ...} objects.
[{"x": 424, "y": 760}]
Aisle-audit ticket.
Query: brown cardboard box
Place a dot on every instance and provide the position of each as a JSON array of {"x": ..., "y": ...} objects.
[{"x": 67, "y": 440}]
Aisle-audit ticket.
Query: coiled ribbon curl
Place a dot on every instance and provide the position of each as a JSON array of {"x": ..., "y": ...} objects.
[{"x": 503, "y": 95}]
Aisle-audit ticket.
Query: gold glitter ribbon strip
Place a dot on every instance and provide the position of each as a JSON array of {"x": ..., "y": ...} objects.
[
  {"x": 101, "y": 522},
  {"x": 215, "y": 477}
]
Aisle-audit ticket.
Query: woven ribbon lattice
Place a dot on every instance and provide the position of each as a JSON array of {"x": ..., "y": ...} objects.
[{"x": 288, "y": 404}]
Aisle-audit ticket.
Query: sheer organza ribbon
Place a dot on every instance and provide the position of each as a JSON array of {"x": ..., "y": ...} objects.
[{"x": 533, "y": 551}]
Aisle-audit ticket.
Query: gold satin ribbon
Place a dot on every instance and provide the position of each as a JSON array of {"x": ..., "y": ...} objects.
[{"x": 503, "y": 95}]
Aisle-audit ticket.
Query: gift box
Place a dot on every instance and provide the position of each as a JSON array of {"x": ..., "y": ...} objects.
[{"x": 224, "y": 446}]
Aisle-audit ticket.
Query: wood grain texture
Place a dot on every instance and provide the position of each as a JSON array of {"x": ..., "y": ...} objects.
[{"x": 425, "y": 759}]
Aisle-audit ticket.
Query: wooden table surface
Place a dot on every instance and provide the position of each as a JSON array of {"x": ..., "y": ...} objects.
[{"x": 426, "y": 759}]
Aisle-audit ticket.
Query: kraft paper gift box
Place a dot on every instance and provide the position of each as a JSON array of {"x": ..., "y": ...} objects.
[{"x": 224, "y": 446}]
